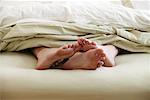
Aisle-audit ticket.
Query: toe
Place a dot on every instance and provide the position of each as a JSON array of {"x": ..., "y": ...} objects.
[
  {"x": 84, "y": 42},
  {"x": 72, "y": 46},
  {"x": 80, "y": 41},
  {"x": 93, "y": 43},
  {"x": 69, "y": 46},
  {"x": 90, "y": 43},
  {"x": 99, "y": 54},
  {"x": 103, "y": 56},
  {"x": 87, "y": 42},
  {"x": 100, "y": 63}
]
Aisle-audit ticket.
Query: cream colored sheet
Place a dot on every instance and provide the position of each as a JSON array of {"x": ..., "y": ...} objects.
[
  {"x": 25, "y": 35},
  {"x": 128, "y": 80}
]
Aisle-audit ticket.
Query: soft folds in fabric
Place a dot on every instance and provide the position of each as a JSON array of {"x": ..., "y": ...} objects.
[
  {"x": 25, "y": 35},
  {"x": 82, "y": 12},
  {"x": 54, "y": 24}
]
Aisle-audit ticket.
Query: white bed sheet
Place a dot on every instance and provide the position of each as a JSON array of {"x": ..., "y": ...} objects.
[{"x": 129, "y": 80}]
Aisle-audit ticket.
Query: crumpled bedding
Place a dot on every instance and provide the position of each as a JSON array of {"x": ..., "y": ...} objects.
[{"x": 30, "y": 34}]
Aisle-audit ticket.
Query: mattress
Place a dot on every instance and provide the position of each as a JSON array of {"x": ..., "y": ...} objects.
[{"x": 128, "y": 80}]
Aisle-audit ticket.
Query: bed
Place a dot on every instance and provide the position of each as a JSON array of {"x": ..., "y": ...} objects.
[
  {"x": 19, "y": 80},
  {"x": 129, "y": 80}
]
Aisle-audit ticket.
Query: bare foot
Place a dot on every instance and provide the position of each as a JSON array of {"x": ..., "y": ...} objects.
[
  {"x": 47, "y": 56},
  {"x": 87, "y": 60},
  {"x": 86, "y": 44},
  {"x": 110, "y": 52}
]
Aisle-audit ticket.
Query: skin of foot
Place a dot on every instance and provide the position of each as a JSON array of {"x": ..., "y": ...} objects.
[
  {"x": 110, "y": 51},
  {"x": 47, "y": 56},
  {"x": 88, "y": 60},
  {"x": 86, "y": 44}
]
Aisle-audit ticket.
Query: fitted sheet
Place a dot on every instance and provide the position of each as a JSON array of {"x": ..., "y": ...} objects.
[{"x": 128, "y": 80}]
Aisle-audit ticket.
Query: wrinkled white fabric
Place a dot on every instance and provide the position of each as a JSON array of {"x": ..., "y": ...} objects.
[{"x": 85, "y": 12}]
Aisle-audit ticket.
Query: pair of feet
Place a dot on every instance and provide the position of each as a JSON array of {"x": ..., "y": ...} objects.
[{"x": 93, "y": 56}]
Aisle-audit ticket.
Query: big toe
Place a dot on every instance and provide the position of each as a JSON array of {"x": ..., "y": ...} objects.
[{"x": 99, "y": 54}]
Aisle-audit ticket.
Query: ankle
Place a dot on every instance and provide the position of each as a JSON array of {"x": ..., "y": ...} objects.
[{"x": 37, "y": 50}]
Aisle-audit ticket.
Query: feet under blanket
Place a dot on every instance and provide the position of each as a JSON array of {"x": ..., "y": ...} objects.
[{"x": 23, "y": 35}]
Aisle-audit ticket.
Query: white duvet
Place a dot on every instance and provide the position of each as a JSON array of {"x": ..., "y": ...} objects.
[{"x": 85, "y": 12}]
